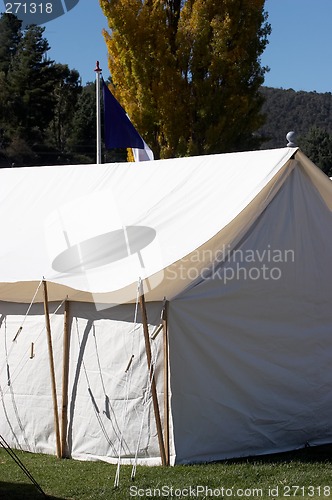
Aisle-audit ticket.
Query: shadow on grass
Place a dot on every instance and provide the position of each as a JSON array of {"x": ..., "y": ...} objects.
[
  {"x": 14, "y": 491},
  {"x": 308, "y": 454}
]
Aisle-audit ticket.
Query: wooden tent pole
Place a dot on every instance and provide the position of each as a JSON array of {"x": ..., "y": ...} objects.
[
  {"x": 152, "y": 379},
  {"x": 52, "y": 371},
  {"x": 65, "y": 373},
  {"x": 166, "y": 382}
]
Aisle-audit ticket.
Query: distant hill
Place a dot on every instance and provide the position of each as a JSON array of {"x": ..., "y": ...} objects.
[{"x": 288, "y": 110}]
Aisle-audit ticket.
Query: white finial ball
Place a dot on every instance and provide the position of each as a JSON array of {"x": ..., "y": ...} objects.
[{"x": 291, "y": 138}]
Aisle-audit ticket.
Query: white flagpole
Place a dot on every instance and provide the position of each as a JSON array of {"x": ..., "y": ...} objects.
[{"x": 98, "y": 71}]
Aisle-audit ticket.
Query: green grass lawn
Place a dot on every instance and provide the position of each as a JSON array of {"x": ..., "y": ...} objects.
[{"x": 305, "y": 474}]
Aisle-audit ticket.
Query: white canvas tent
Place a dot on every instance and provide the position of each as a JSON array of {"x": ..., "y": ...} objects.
[{"x": 237, "y": 245}]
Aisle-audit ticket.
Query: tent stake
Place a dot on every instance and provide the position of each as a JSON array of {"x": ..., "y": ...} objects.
[
  {"x": 52, "y": 370},
  {"x": 166, "y": 382},
  {"x": 152, "y": 379},
  {"x": 65, "y": 372}
]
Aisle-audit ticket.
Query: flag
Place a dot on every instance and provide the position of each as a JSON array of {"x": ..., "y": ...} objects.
[
  {"x": 119, "y": 132},
  {"x": 145, "y": 154}
]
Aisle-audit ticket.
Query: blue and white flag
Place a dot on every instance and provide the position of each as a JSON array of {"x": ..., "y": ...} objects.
[{"x": 119, "y": 132}]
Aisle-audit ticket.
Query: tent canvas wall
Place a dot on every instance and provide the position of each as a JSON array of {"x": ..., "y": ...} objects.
[{"x": 238, "y": 244}]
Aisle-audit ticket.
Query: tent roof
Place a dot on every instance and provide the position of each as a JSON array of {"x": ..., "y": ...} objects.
[{"x": 94, "y": 230}]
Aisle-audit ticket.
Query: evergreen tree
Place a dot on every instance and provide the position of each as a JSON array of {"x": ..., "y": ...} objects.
[
  {"x": 317, "y": 145},
  {"x": 30, "y": 79},
  {"x": 10, "y": 37},
  {"x": 4, "y": 116},
  {"x": 82, "y": 140},
  {"x": 65, "y": 92},
  {"x": 188, "y": 71},
  {"x": 38, "y": 98}
]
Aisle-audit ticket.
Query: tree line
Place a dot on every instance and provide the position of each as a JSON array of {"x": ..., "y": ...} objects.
[
  {"x": 185, "y": 71},
  {"x": 309, "y": 114},
  {"x": 46, "y": 116},
  {"x": 208, "y": 98}
]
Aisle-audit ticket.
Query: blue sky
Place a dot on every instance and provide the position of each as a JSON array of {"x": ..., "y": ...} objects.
[
  {"x": 299, "y": 54},
  {"x": 300, "y": 50}
]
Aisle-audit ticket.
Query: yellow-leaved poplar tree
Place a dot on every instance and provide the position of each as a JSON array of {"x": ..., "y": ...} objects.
[{"x": 188, "y": 72}]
